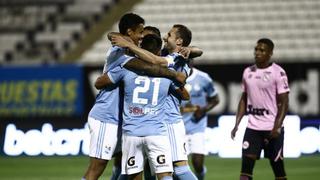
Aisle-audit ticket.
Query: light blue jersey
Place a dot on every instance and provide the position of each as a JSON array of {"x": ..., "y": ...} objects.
[
  {"x": 106, "y": 107},
  {"x": 173, "y": 101},
  {"x": 144, "y": 102},
  {"x": 200, "y": 86}
]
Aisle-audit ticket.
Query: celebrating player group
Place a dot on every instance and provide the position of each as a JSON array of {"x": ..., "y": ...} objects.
[{"x": 151, "y": 111}]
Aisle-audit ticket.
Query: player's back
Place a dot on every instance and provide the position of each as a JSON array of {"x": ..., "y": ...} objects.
[
  {"x": 144, "y": 103},
  {"x": 106, "y": 107}
]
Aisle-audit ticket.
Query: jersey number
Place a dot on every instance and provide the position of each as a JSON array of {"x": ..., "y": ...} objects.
[{"x": 145, "y": 88}]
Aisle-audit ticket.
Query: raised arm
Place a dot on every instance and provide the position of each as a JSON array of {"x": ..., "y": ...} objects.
[
  {"x": 240, "y": 113},
  {"x": 139, "y": 66},
  {"x": 141, "y": 53},
  {"x": 282, "y": 101}
]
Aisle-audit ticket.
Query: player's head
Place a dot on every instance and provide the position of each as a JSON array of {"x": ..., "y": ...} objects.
[
  {"x": 179, "y": 35},
  {"x": 151, "y": 30},
  {"x": 131, "y": 25},
  {"x": 152, "y": 43},
  {"x": 263, "y": 50}
]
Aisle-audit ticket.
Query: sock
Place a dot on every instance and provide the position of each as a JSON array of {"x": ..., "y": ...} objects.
[
  {"x": 184, "y": 173},
  {"x": 247, "y": 168},
  {"x": 278, "y": 169},
  {"x": 166, "y": 178},
  {"x": 116, "y": 171},
  {"x": 83, "y": 178}
]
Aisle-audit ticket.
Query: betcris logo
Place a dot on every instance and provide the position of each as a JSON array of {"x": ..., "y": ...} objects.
[
  {"x": 41, "y": 91},
  {"x": 46, "y": 141}
]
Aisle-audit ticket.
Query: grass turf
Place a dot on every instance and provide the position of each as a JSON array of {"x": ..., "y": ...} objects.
[{"x": 72, "y": 168}]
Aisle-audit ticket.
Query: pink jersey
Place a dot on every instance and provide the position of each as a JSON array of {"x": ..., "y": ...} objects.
[{"x": 262, "y": 86}]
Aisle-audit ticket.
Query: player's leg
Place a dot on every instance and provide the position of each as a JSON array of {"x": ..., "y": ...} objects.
[
  {"x": 116, "y": 169},
  {"x": 274, "y": 151},
  {"x": 177, "y": 137},
  {"x": 251, "y": 149},
  {"x": 196, "y": 147},
  {"x": 132, "y": 162},
  {"x": 103, "y": 142},
  {"x": 158, "y": 152},
  {"x": 148, "y": 175}
]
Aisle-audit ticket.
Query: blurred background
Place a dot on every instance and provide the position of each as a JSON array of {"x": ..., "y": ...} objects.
[{"x": 51, "y": 51}]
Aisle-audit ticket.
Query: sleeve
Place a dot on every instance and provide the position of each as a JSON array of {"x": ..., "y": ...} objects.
[
  {"x": 282, "y": 84},
  {"x": 116, "y": 74},
  {"x": 209, "y": 87},
  {"x": 116, "y": 57},
  {"x": 171, "y": 59}
]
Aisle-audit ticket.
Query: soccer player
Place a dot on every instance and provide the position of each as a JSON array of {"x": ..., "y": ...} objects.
[
  {"x": 178, "y": 36},
  {"x": 265, "y": 99},
  {"x": 104, "y": 116},
  {"x": 203, "y": 97}
]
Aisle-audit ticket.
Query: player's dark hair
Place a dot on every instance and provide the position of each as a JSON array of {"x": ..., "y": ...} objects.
[
  {"x": 129, "y": 21},
  {"x": 184, "y": 33},
  {"x": 153, "y": 29},
  {"x": 266, "y": 41},
  {"x": 152, "y": 43}
]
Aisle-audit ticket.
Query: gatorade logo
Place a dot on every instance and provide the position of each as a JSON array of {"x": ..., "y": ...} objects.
[
  {"x": 131, "y": 161},
  {"x": 161, "y": 159}
]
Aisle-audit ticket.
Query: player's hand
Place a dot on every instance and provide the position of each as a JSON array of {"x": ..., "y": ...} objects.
[
  {"x": 275, "y": 133},
  {"x": 233, "y": 132},
  {"x": 185, "y": 52},
  {"x": 121, "y": 41},
  {"x": 181, "y": 79},
  {"x": 199, "y": 114}
]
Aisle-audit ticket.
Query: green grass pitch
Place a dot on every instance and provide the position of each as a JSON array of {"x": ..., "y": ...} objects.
[{"x": 72, "y": 168}]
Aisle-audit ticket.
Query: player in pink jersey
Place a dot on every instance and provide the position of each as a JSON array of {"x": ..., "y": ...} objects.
[{"x": 265, "y": 99}]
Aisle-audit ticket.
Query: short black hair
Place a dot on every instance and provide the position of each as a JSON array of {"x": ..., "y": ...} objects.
[
  {"x": 184, "y": 33},
  {"x": 151, "y": 43},
  {"x": 153, "y": 30},
  {"x": 129, "y": 21},
  {"x": 266, "y": 41}
]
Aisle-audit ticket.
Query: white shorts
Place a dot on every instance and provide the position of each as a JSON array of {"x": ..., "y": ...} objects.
[
  {"x": 177, "y": 137},
  {"x": 196, "y": 143},
  {"x": 155, "y": 148},
  {"x": 103, "y": 139}
]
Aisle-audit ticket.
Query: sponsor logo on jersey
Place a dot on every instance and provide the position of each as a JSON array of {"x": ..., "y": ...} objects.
[
  {"x": 137, "y": 111},
  {"x": 257, "y": 111}
]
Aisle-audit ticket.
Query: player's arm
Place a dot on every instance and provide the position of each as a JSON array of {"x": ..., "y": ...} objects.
[
  {"x": 211, "y": 103},
  {"x": 183, "y": 93},
  {"x": 103, "y": 81},
  {"x": 190, "y": 52},
  {"x": 240, "y": 113},
  {"x": 141, "y": 53},
  {"x": 141, "y": 67},
  {"x": 282, "y": 102}
]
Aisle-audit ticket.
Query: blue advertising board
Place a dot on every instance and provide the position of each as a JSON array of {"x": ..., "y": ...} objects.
[{"x": 41, "y": 91}]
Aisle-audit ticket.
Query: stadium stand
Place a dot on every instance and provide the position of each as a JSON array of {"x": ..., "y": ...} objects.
[
  {"x": 227, "y": 29},
  {"x": 33, "y": 31},
  {"x": 42, "y": 31}
]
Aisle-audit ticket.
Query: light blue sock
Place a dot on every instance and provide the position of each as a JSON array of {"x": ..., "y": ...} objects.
[
  {"x": 201, "y": 175},
  {"x": 166, "y": 178},
  {"x": 83, "y": 178},
  {"x": 116, "y": 171},
  {"x": 184, "y": 173}
]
